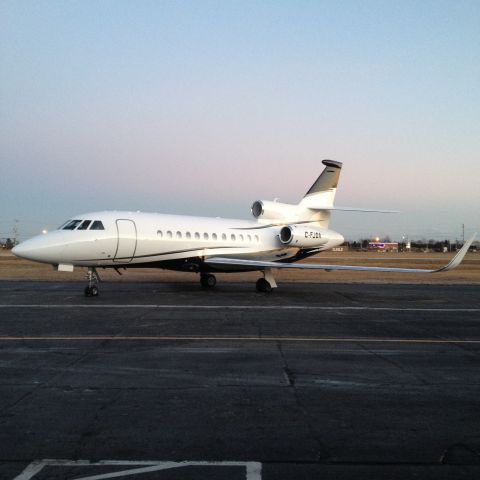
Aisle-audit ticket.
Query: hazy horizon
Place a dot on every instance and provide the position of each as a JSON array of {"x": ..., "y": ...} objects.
[{"x": 204, "y": 107}]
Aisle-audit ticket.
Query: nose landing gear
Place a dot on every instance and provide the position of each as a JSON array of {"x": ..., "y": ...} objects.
[{"x": 91, "y": 290}]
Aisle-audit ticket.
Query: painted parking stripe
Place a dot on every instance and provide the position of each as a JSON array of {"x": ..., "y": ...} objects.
[
  {"x": 202, "y": 338},
  {"x": 132, "y": 471},
  {"x": 240, "y": 307},
  {"x": 253, "y": 470}
]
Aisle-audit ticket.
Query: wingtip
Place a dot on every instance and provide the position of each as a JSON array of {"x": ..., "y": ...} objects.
[
  {"x": 469, "y": 242},
  {"x": 458, "y": 258}
]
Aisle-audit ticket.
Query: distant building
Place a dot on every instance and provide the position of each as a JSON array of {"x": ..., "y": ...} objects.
[{"x": 383, "y": 246}]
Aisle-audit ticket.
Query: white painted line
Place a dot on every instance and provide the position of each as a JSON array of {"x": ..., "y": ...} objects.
[
  {"x": 31, "y": 470},
  {"x": 81, "y": 463},
  {"x": 253, "y": 470},
  {"x": 133, "y": 471},
  {"x": 241, "y": 307},
  {"x": 201, "y": 338}
]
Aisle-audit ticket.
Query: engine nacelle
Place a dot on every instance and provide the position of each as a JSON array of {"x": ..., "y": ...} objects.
[
  {"x": 309, "y": 237},
  {"x": 264, "y": 209}
]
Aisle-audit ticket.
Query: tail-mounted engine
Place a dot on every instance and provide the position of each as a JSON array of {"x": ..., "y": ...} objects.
[
  {"x": 309, "y": 237},
  {"x": 266, "y": 210}
]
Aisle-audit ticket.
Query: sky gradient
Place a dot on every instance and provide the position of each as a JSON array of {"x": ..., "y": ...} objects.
[{"x": 202, "y": 107}]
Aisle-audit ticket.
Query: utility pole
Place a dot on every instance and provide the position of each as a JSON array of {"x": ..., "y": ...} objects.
[
  {"x": 15, "y": 233},
  {"x": 463, "y": 232}
]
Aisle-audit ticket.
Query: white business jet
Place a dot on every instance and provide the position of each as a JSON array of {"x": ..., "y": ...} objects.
[{"x": 280, "y": 235}]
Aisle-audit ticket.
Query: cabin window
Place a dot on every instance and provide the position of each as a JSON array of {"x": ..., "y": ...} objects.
[
  {"x": 214, "y": 236},
  {"x": 256, "y": 238},
  {"x": 205, "y": 236},
  {"x": 197, "y": 236},
  {"x": 188, "y": 235},
  {"x": 85, "y": 224},
  {"x": 249, "y": 238},
  {"x": 241, "y": 238},
  {"x": 232, "y": 236},
  {"x": 179, "y": 235},
  {"x": 169, "y": 234},
  {"x": 97, "y": 225},
  {"x": 159, "y": 233},
  {"x": 224, "y": 237},
  {"x": 71, "y": 225}
]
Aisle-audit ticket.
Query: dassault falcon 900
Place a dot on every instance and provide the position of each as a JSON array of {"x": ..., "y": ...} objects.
[{"x": 280, "y": 235}]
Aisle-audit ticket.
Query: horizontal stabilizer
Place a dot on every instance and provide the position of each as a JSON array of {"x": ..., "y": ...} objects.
[
  {"x": 355, "y": 209},
  {"x": 256, "y": 264}
]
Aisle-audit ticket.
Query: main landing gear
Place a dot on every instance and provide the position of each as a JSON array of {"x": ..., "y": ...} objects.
[
  {"x": 263, "y": 286},
  {"x": 267, "y": 283},
  {"x": 207, "y": 280},
  {"x": 91, "y": 290}
]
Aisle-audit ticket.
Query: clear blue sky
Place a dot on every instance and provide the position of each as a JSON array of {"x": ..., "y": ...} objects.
[{"x": 202, "y": 107}]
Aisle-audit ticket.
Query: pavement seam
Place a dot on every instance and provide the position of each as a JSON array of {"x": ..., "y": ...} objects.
[
  {"x": 395, "y": 364},
  {"x": 291, "y": 381}
]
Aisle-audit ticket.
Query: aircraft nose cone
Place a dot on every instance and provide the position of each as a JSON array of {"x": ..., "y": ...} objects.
[
  {"x": 24, "y": 250},
  {"x": 18, "y": 250},
  {"x": 40, "y": 249}
]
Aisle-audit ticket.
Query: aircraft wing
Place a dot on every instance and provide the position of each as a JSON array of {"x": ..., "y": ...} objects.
[{"x": 455, "y": 262}]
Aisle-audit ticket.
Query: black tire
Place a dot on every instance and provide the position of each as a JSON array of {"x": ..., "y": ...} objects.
[
  {"x": 208, "y": 280},
  {"x": 91, "y": 291},
  {"x": 263, "y": 286},
  {"x": 211, "y": 281}
]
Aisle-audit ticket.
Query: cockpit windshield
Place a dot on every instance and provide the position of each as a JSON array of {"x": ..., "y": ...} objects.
[
  {"x": 85, "y": 224},
  {"x": 82, "y": 225},
  {"x": 97, "y": 225},
  {"x": 71, "y": 225}
]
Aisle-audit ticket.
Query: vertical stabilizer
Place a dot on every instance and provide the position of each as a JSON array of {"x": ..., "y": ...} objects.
[{"x": 321, "y": 194}]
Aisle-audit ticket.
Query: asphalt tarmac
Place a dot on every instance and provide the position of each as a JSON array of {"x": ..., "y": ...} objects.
[{"x": 167, "y": 381}]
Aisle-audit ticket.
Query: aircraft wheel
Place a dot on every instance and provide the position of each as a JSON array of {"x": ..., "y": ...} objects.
[
  {"x": 91, "y": 291},
  {"x": 263, "y": 286},
  {"x": 208, "y": 281}
]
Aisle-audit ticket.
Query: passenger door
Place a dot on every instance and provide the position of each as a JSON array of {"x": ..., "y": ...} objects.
[{"x": 127, "y": 241}]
